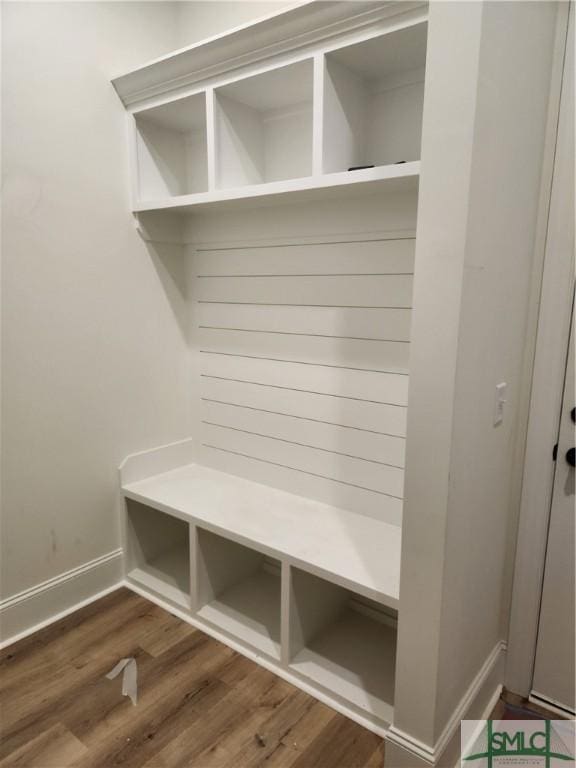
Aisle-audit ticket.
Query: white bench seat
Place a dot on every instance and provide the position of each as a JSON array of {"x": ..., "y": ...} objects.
[{"x": 354, "y": 551}]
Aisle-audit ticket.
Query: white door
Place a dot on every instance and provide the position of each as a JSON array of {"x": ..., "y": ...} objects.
[{"x": 554, "y": 671}]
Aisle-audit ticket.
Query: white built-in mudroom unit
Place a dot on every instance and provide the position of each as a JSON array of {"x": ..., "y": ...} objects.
[{"x": 343, "y": 199}]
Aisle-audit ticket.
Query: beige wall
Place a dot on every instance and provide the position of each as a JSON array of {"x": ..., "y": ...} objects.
[
  {"x": 198, "y": 20},
  {"x": 93, "y": 323},
  {"x": 94, "y": 362}
]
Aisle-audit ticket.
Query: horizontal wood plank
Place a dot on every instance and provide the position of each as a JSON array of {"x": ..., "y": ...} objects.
[
  {"x": 362, "y": 257},
  {"x": 318, "y": 290},
  {"x": 359, "y": 473},
  {"x": 348, "y": 497},
  {"x": 329, "y": 437},
  {"x": 363, "y": 385},
  {"x": 375, "y": 417},
  {"x": 339, "y": 322},
  {"x": 351, "y": 353}
]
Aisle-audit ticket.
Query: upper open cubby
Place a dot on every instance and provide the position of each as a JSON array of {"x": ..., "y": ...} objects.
[
  {"x": 171, "y": 149},
  {"x": 261, "y": 117},
  {"x": 373, "y": 99},
  {"x": 263, "y": 127}
]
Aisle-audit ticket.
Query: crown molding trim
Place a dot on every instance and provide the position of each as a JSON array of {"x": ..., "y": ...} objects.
[{"x": 304, "y": 26}]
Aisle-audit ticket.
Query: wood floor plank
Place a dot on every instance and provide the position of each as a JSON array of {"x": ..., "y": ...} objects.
[
  {"x": 164, "y": 636},
  {"x": 66, "y": 673},
  {"x": 22, "y": 650},
  {"x": 237, "y": 718},
  {"x": 107, "y": 635},
  {"x": 294, "y": 743},
  {"x": 136, "y": 742},
  {"x": 54, "y": 748},
  {"x": 200, "y": 704},
  {"x": 165, "y": 682},
  {"x": 257, "y": 747},
  {"x": 342, "y": 743}
]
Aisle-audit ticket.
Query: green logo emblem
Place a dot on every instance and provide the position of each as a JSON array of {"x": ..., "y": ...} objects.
[{"x": 541, "y": 741}]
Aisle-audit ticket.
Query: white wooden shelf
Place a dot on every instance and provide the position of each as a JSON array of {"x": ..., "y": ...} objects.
[
  {"x": 354, "y": 658},
  {"x": 167, "y": 575},
  {"x": 238, "y": 590},
  {"x": 343, "y": 643},
  {"x": 352, "y": 550},
  {"x": 401, "y": 177},
  {"x": 250, "y": 610},
  {"x": 373, "y": 98},
  {"x": 171, "y": 149},
  {"x": 158, "y": 553},
  {"x": 279, "y": 127}
]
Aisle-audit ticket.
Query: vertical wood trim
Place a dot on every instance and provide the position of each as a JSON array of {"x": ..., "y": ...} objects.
[
  {"x": 546, "y": 356},
  {"x": 318, "y": 115},
  {"x": 193, "y": 542},
  {"x": 134, "y": 165},
  {"x": 211, "y": 142},
  {"x": 285, "y": 613}
]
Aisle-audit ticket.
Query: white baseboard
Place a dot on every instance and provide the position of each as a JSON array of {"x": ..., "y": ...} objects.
[
  {"x": 554, "y": 706},
  {"x": 41, "y": 605},
  {"x": 476, "y": 704}
]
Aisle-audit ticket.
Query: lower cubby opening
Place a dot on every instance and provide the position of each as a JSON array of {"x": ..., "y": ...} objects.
[
  {"x": 158, "y": 552},
  {"x": 239, "y": 592},
  {"x": 344, "y": 643}
]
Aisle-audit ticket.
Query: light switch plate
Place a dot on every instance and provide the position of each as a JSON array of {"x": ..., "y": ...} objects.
[{"x": 499, "y": 402}]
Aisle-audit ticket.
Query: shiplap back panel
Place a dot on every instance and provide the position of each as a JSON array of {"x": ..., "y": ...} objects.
[{"x": 304, "y": 353}]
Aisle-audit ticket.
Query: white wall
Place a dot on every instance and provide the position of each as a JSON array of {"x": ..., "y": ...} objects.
[
  {"x": 94, "y": 356},
  {"x": 94, "y": 322},
  {"x": 197, "y": 20}
]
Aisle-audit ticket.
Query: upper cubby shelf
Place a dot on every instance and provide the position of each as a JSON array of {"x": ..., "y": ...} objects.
[
  {"x": 171, "y": 152},
  {"x": 373, "y": 98},
  {"x": 333, "y": 106},
  {"x": 263, "y": 127}
]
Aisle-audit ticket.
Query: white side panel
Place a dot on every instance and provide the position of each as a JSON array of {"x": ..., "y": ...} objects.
[
  {"x": 161, "y": 162},
  {"x": 395, "y": 126},
  {"x": 345, "y": 117},
  {"x": 239, "y": 144},
  {"x": 288, "y": 143}
]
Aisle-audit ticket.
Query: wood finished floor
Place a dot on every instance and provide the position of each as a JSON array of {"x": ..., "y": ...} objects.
[{"x": 200, "y": 704}]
